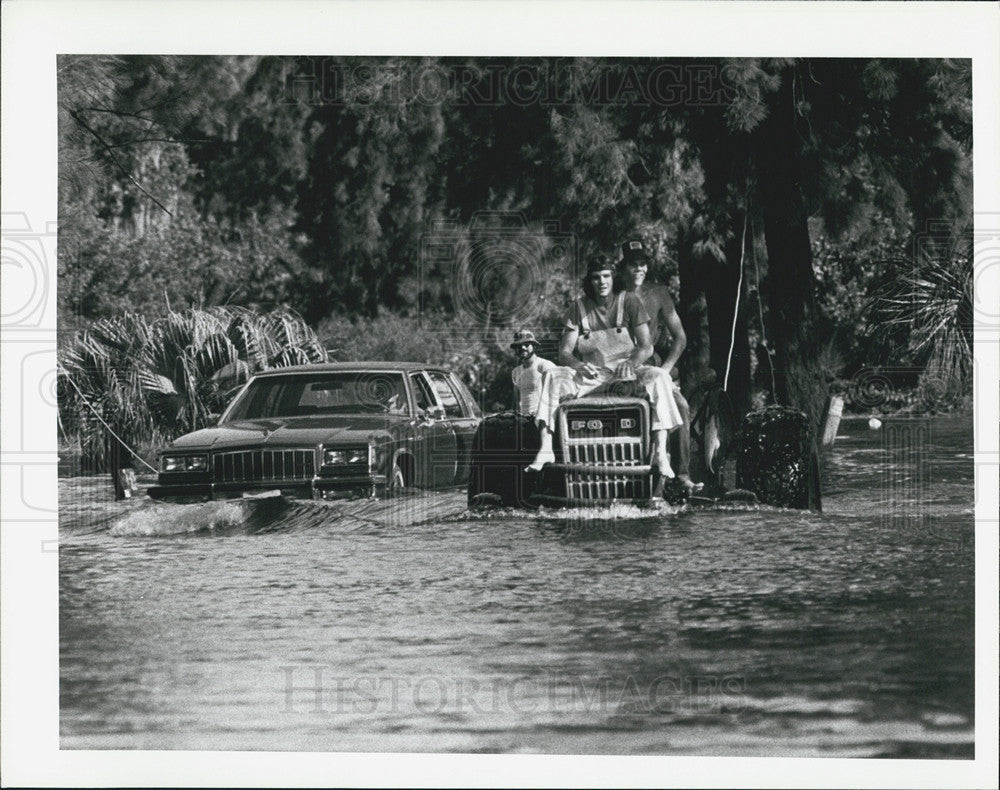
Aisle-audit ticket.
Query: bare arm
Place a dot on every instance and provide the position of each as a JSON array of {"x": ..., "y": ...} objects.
[
  {"x": 673, "y": 323},
  {"x": 643, "y": 345},
  {"x": 566, "y": 348}
]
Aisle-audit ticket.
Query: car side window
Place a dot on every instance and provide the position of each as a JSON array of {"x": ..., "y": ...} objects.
[
  {"x": 447, "y": 395},
  {"x": 422, "y": 392},
  {"x": 465, "y": 395}
]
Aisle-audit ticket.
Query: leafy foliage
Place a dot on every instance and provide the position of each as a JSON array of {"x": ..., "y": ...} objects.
[
  {"x": 482, "y": 360},
  {"x": 932, "y": 302},
  {"x": 189, "y": 183},
  {"x": 161, "y": 378}
]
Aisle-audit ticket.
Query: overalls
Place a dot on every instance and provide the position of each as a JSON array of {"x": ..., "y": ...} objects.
[{"x": 605, "y": 348}]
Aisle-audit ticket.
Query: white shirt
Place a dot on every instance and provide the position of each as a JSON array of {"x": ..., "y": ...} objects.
[{"x": 528, "y": 383}]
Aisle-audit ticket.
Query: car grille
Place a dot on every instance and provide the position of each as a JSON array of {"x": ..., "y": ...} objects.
[
  {"x": 253, "y": 466},
  {"x": 607, "y": 445}
]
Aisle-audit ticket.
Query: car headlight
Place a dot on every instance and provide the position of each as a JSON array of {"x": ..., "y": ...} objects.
[
  {"x": 346, "y": 455},
  {"x": 183, "y": 463}
]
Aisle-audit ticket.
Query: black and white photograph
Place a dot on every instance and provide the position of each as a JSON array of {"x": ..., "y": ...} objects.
[{"x": 505, "y": 399}]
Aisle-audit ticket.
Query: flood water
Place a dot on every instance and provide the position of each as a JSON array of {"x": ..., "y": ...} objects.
[{"x": 416, "y": 626}]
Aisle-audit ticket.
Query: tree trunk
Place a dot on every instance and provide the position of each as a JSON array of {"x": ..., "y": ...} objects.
[
  {"x": 725, "y": 158},
  {"x": 788, "y": 286},
  {"x": 121, "y": 468}
]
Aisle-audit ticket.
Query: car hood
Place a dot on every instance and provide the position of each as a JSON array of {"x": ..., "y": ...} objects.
[{"x": 293, "y": 432}]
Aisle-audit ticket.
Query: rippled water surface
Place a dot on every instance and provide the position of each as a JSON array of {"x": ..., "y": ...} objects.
[{"x": 416, "y": 626}]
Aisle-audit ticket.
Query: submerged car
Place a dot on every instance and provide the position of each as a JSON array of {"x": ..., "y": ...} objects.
[{"x": 326, "y": 431}]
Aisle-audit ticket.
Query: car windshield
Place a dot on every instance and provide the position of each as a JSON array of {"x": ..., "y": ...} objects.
[{"x": 299, "y": 395}]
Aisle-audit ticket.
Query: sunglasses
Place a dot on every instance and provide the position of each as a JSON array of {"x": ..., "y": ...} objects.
[{"x": 522, "y": 346}]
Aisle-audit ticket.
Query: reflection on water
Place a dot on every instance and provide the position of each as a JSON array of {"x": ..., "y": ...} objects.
[{"x": 414, "y": 625}]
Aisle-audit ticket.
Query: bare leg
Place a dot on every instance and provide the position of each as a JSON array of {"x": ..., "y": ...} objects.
[
  {"x": 683, "y": 437},
  {"x": 545, "y": 453},
  {"x": 661, "y": 457},
  {"x": 683, "y": 434},
  {"x": 557, "y": 384}
]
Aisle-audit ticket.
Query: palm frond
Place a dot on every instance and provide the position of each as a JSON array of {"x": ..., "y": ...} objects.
[
  {"x": 160, "y": 378},
  {"x": 931, "y": 306}
]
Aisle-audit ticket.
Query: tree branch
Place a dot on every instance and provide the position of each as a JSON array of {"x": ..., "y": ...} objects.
[
  {"x": 75, "y": 116},
  {"x": 156, "y": 140}
]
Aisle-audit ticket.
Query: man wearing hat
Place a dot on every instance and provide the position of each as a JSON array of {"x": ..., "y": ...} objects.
[
  {"x": 527, "y": 375},
  {"x": 605, "y": 338},
  {"x": 664, "y": 327}
]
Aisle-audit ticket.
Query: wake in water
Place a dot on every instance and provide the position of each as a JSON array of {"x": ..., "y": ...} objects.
[
  {"x": 160, "y": 520},
  {"x": 254, "y": 516},
  {"x": 142, "y": 517},
  {"x": 251, "y": 516}
]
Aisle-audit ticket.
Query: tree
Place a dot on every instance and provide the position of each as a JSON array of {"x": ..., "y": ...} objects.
[
  {"x": 838, "y": 138},
  {"x": 735, "y": 171},
  {"x": 141, "y": 227}
]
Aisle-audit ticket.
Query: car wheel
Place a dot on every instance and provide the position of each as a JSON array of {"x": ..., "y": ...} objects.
[{"x": 397, "y": 481}]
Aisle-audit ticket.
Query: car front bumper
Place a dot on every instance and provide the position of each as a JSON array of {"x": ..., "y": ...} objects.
[{"x": 317, "y": 488}]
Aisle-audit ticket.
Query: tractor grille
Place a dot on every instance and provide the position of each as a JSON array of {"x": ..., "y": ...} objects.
[
  {"x": 253, "y": 466},
  {"x": 612, "y": 435},
  {"x": 604, "y": 485}
]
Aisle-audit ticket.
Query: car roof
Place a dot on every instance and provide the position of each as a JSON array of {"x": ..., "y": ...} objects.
[{"x": 328, "y": 367}]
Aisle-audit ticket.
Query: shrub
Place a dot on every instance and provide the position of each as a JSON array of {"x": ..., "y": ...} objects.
[
  {"x": 151, "y": 380},
  {"x": 933, "y": 305}
]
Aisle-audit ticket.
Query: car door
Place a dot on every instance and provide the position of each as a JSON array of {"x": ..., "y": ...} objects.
[
  {"x": 435, "y": 446},
  {"x": 459, "y": 411}
]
